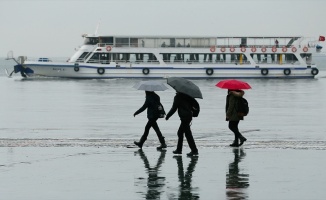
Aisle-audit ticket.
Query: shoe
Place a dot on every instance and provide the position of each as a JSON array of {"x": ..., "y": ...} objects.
[
  {"x": 177, "y": 152},
  {"x": 163, "y": 146},
  {"x": 234, "y": 144},
  {"x": 140, "y": 145},
  {"x": 192, "y": 154},
  {"x": 242, "y": 140}
]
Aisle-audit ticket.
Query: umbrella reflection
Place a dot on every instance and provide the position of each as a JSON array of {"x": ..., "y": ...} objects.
[
  {"x": 155, "y": 182},
  {"x": 236, "y": 182},
  {"x": 186, "y": 190}
]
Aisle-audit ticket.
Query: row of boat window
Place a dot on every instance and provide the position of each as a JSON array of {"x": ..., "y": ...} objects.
[{"x": 106, "y": 58}]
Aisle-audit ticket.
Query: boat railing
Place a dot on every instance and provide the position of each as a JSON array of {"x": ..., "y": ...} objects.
[{"x": 127, "y": 45}]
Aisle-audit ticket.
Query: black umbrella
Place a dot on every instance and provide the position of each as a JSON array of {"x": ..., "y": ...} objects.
[{"x": 185, "y": 86}]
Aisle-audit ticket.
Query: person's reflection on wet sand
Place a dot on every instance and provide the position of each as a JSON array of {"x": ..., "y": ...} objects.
[
  {"x": 185, "y": 188},
  {"x": 155, "y": 182},
  {"x": 236, "y": 182}
]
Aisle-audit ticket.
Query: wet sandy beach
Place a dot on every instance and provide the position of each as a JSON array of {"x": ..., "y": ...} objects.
[{"x": 130, "y": 173}]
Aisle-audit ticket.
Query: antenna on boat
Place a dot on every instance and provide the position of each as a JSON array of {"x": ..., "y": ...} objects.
[{"x": 98, "y": 25}]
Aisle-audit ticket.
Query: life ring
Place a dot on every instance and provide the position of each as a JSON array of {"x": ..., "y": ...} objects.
[
  {"x": 212, "y": 49},
  {"x": 294, "y": 49},
  {"x": 209, "y": 71},
  {"x": 305, "y": 49},
  {"x": 222, "y": 49},
  {"x": 284, "y": 49},
  {"x": 232, "y": 49},
  {"x": 108, "y": 48},
  {"x": 274, "y": 49},
  {"x": 314, "y": 71},
  {"x": 264, "y": 72},
  {"x": 145, "y": 71},
  {"x": 253, "y": 49},
  {"x": 100, "y": 71},
  {"x": 287, "y": 72},
  {"x": 243, "y": 49},
  {"x": 76, "y": 69},
  {"x": 263, "y": 49}
]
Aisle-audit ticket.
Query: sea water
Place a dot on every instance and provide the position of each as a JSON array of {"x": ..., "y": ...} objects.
[{"x": 282, "y": 111}]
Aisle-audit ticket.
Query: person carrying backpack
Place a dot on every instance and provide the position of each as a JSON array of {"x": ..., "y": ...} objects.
[
  {"x": 232, "y": 115},
  {"x": 184, "y": 104},
  {"x": 151, "y": 104}
]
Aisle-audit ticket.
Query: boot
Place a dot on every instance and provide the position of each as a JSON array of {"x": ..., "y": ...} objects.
[
  {"x": 177, "y": 151},
  {"x": 242, "y": 140},
  {"x": 141, "y": 142},
  {"x": 235, "y": 143},
  {"x": 163, "y": 145}
]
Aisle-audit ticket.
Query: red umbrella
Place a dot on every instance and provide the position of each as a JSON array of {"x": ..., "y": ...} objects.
[{"x": 233, "y": 84}]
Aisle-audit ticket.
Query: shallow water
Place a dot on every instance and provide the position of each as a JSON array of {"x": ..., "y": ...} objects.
[
  {"x": 124, "y": 173},
  {"x": 67, "y": 139}
]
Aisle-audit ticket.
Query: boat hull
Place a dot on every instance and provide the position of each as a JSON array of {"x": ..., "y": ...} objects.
[{"x": 94, "y": 71}]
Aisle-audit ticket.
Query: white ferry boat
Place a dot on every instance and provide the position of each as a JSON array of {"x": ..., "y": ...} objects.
[{"x": 104, "y": 57}]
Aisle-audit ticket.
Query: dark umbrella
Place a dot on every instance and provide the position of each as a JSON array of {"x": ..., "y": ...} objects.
[
  {"x": 185, "y": 86},
  {"x": 233, "y": 84}
]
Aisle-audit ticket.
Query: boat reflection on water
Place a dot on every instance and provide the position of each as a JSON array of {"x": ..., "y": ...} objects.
[
  {"x": 236, "y": 182},
  {"x": 155, "y": 183},
  {"x": 186, "y": 191}
]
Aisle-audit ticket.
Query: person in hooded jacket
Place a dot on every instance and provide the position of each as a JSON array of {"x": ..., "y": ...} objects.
[
  {"x": 151, "y": 103},
  {"x": 183, "y": 103},
  {"x": 233, "y": 117}
]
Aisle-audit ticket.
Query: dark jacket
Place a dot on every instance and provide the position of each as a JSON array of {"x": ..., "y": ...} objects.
[
  {"x": 182, "y": 103},
  {"x": 151, "y": 103},
  {"x": 231, "y": 106}
]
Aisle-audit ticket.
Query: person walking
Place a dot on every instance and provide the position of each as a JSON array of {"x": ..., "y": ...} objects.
[
  {"x": 183, "y": 103},
  {"x": 233, "y": 117},
  {"x": 151, "y": 103}
]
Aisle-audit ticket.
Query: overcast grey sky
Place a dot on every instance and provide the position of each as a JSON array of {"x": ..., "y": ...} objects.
[{"x": 53, "y": 28}]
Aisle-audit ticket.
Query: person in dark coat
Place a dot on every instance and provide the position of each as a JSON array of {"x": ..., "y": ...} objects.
[
  {"x": 233, "y": 117},
  {"x": 183, "y": 103},
  {"x": 151, "y": 103}
]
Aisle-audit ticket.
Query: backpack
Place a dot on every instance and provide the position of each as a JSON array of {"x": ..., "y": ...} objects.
[
  {"x": 195, "y": 109},
  {"x": 160, "y": 111},
  {"x": 242, "y": 107}
]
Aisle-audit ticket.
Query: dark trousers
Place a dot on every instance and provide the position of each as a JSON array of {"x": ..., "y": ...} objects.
[
  {"x": 233, "y": 126},
  {"x": 152, "y": 123},
  {"x": 185, "y": 129}
]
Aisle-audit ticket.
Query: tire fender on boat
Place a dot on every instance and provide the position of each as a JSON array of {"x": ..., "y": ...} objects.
[
  {"x": 294, "y": 49},
  {"x": 274, "y": 49},
  {"x": 305, "y": 49},
  {"x": 253, "y": 49},
  {"x": 264, "y": 71},
  {"x": 100, "y": 71},
  {"x": 287, "y": 72},
  {"x": 209, "y": 71},
  {"x": 145, "y": 71},
  {"x": 284, "y": 49},
  {"x": 76, "y": 69},
  {"x": 108, "y": 48},
  {"x": 222, "y": 49},
  {"x": 232, "y": 49},
  {"x": 212, "y": 49},
  {"x": 243, "y": 49},
  {"x": 263, "y": 49},
  {"x": 314, "y": 71}
]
